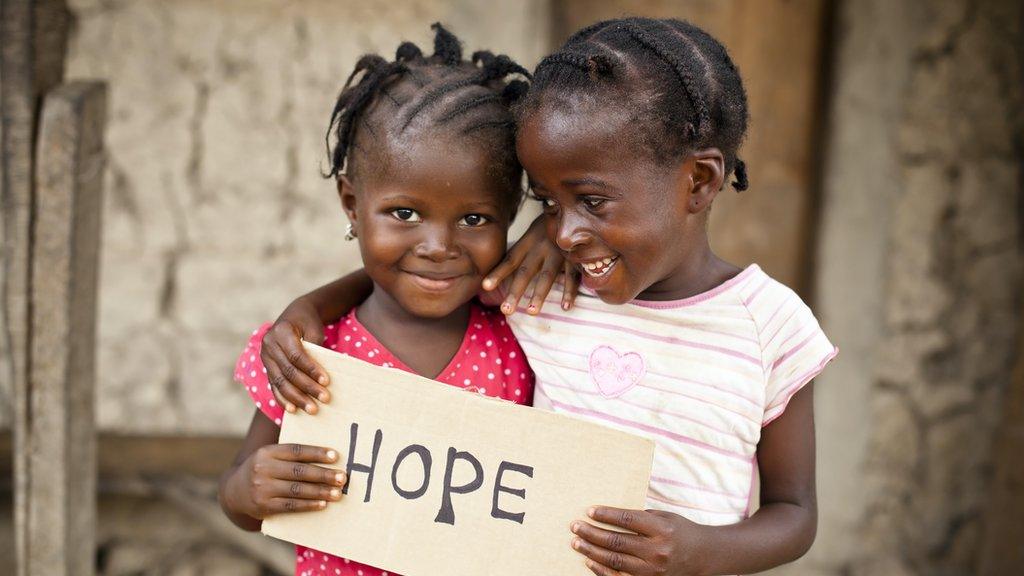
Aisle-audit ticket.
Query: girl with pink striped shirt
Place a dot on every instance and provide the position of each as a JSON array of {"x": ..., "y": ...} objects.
[{"x": 627, "y": 135}]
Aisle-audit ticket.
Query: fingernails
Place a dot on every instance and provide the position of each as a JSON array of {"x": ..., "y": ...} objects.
[
  {"x": 575, "y": 527},
  {"x": 339, "y": 478},
  {"x": 532, "y": 309},
  {"x": 565, "y": 305},
  {"x": 322, "y": 503},
  {"x": 335, "y": 493},
  {"x": 575, "y": 543},
  {"x": 332, "y": 455},
  {"x": 506, "y": 308},
  {"x": 324, "y": 397},
  {"x": 591, "y": 511},
  {"x": 311, "y": 408},
  {"x": 323, "y": 380},
  {"x": 488, "y": 283},
  {"x": 290, "y": 408}
]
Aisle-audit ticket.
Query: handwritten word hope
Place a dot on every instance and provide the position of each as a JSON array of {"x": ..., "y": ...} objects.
[{"x": 421, "y": 456}]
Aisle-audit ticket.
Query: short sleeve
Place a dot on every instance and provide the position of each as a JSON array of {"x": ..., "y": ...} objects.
[
  {"x": 249, "y": 372},
  {"x": 796, "y": 351}
]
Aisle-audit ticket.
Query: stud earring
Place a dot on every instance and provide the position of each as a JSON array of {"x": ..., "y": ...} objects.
[{"x": 350, "y": 233}]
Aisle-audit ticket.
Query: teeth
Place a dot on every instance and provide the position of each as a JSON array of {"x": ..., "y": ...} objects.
[{"x": 598, "y": 269}]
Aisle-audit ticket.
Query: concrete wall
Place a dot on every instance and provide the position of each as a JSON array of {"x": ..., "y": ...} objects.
[{"x": 216, "y": 215}]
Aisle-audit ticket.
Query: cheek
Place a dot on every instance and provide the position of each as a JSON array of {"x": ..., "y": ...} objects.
[
  {"x": 382, "y": 244},
  {"x": 487, "y": 249}
]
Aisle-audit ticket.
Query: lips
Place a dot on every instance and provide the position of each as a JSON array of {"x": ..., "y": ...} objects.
[{"x": 434, "y": 281}]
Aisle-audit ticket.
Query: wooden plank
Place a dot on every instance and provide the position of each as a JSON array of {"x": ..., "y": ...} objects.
[
  {"x": 31, "y": 60},
  {"x": 123, "y": 456},
  {"x": 771, "y": 223},
  {"x": 65, "y": 257}
]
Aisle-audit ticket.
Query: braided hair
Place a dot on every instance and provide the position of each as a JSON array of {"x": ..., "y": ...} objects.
[
  {"x": 677, "y": 81},
  {"x": 415, "y": 92}
]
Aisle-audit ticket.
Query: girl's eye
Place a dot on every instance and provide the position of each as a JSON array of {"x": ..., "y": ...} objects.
[
  {"x": 473, "y": 220},
  {"x": 592, "y": 202},
  {"x": 545, "y": 203},
  {"x": 406, "y": 215}
]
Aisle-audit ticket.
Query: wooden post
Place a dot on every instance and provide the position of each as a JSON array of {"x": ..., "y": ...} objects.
[
  {"x": 65, "y": 257},
  {"x": 32, "y": 41}
]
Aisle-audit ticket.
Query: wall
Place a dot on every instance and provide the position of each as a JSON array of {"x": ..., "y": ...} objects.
[{"x": 919, "y": 281}]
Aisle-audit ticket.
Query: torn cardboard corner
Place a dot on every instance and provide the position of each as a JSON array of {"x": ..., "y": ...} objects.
[{"x": 445, "y": 481}]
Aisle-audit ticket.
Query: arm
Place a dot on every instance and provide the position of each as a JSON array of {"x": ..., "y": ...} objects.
[
  {"x": 781, "y": 531},
  {"x": 295, "y": 378},
  {"x": 270, "y": 478}
]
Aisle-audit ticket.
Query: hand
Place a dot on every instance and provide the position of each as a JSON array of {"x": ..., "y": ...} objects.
[
  {"x": 279, "y": 478},
  {"x": 533, "y": 257},
  {"x": 294, "y": 377},
  {"x": 663, "y": 543}
]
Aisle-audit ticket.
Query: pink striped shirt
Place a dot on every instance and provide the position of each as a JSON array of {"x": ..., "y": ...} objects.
[{"x": 700, "y": 376}]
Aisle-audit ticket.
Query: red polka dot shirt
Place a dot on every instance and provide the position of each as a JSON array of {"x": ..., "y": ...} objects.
[{"x": 489, "y": 361}]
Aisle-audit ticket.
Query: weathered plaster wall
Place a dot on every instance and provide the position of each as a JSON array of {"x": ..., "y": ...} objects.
[
  {"x": 216, "y": 215},
  {"x": 919, "y": 280}
]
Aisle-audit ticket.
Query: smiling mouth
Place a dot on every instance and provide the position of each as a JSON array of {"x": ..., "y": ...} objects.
[
  {"x": 599, "y": 268},
  {"x": 434, "y": 282}
]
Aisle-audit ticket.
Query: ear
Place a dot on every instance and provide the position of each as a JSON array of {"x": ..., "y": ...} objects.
[
  {"x": 708, "y": 176},
  {"x": 347, "y": 194}
]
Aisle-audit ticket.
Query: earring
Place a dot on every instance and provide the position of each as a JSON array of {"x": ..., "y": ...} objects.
[{"x": 350, "y": 233}]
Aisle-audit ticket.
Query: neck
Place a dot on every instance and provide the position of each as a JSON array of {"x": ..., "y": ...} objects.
[
  {"x": 381, "y": 313},
  {"x": 701, "y": 271}
]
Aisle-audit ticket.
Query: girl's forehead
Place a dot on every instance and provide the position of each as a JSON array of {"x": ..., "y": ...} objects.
[{"x": 563, "y": 134}]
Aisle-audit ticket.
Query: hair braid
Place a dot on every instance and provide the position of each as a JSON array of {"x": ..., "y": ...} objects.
[
  {"x": 654, "y": 44},
  {"x": 351, "y": 103}
]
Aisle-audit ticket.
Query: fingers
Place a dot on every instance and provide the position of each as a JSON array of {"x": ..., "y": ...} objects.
[
  {"x": 571, "y": 287},
  {"x": 608, "y": 562},
  {"x": 287, "y": 374},
  {"x": 545, "y": 280},
  {"x": 303, "y": 472},
  {"x": 288, "y": 395},
  {"x": 283, "y": 505},
  {"x": 638, "y": 521},
  {"x": 301, "y": 491},
  {"x": 302, "y": 453},
  {"x": 630, "y": 544},
  {"x": 520, "y": 282},
  {"x": 502, "y": 271},
  {"x": 513, "y": 260}
]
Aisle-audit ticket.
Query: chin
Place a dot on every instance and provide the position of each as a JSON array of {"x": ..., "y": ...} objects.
[{"x": 426, "y": 308}]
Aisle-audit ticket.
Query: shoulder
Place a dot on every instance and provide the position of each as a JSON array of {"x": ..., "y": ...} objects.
[{"x": 773, "y": 305}]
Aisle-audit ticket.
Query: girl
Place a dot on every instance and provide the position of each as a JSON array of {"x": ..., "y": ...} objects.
[
  {"x": 427, "y": 176},
  {"x": 627, "y": 134}
]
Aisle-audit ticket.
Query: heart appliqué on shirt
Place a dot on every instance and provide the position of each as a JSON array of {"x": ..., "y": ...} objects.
[{"x": 614, "y": 373}]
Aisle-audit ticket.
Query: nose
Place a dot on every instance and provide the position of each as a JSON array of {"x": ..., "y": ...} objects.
[
  {"x": 571, "y": 232},
  {"x": 437, "y": 244}
]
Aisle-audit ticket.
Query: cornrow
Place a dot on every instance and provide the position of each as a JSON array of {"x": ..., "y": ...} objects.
[
  {"x": 655, "y": 45},
  {"x": 381, "y": 99},
  {"x": 597, "y": 65},
  {"x": 352, "y": 101},
  {"x": 688, "y": 96}
]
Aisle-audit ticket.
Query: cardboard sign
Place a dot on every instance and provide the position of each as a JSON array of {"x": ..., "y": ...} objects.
[{"x": 446, "y": 481}]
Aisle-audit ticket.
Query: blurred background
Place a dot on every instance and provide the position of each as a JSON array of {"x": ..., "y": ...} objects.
[{"x": 886, "y": 158}]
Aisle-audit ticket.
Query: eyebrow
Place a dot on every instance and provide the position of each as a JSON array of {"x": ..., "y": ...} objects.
[{"x": 586, "y": 182}]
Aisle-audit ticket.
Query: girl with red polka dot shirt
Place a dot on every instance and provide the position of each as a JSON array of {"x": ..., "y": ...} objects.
[{"x": 428, "y": 178}]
